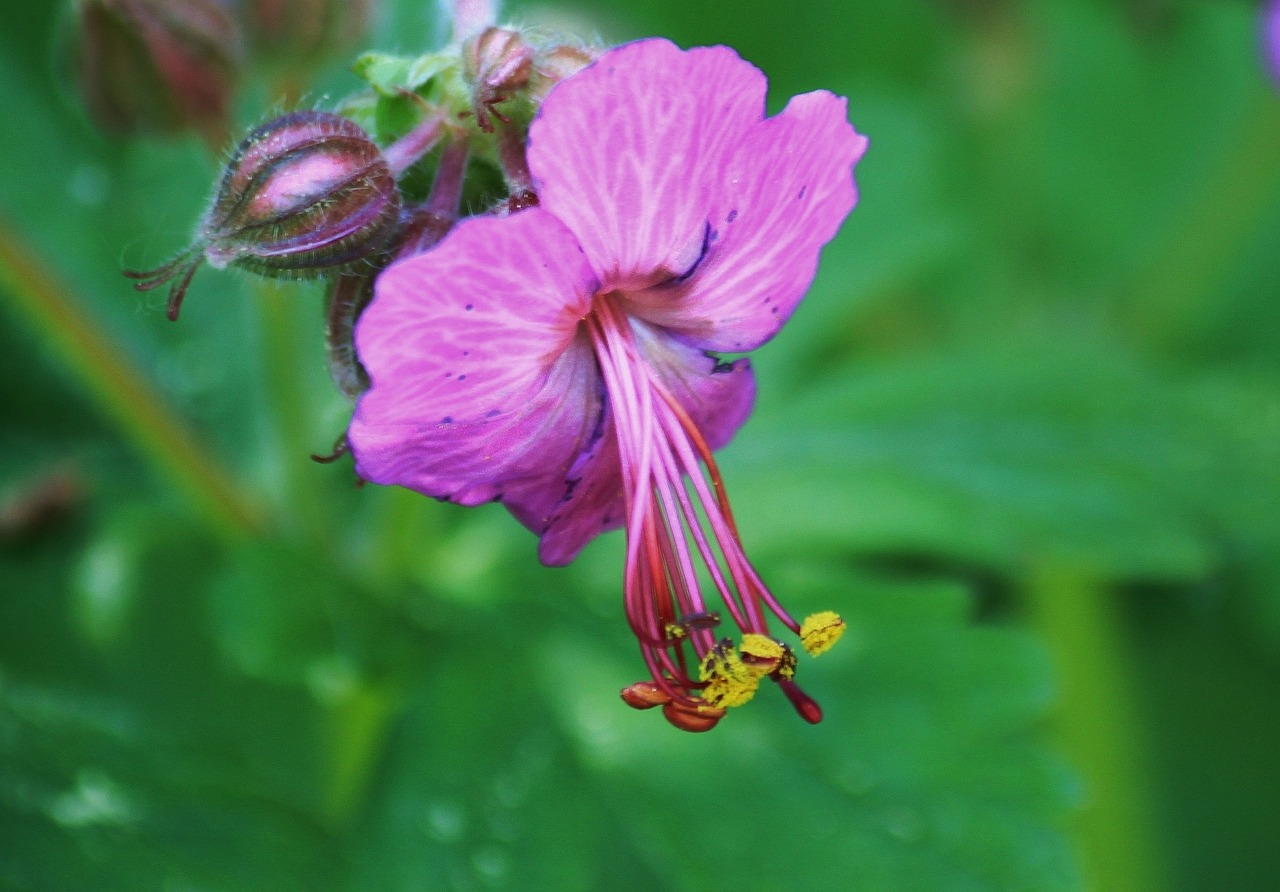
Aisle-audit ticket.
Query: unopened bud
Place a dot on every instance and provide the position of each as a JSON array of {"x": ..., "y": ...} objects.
[
  {"x": 498, "y": 63},
  {"x": 307, "y": 193},
  {"x": 161, "y": 66}
]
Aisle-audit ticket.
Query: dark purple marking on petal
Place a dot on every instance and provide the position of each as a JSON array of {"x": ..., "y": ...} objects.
[
  {"x": 718, "y": 365},
  {"x": 448, "y": 419},
  {"x": 803, "y": 189},
  {"x": 715, "y": 234},
  {"x": 732, "y": 215},
  {"x": 493, "y": 413},
  {"x": 702, "y": 254},
  {"x": 470, "y": 307},
  {"x": 462, "y": 377}
]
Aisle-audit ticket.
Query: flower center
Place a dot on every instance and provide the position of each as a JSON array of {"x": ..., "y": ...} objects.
[{"x": 685, "y": 564}]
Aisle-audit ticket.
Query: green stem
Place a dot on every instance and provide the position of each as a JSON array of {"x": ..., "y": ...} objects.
[
  {"x": 120, "y": 389},
  {"x": 1099, "y": 730},
  {"x": 285, "y": 364}
]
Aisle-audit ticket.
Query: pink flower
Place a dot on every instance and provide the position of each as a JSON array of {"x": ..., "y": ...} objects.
[{"x": 563, "y": 360}]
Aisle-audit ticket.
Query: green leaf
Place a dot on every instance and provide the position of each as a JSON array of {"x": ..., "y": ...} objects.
[{"x": 391, "y": 75}]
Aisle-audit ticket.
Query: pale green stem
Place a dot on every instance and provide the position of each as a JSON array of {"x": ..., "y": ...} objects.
[
  {"x": 120, "y": 389},
  {"x": 285, "y": 363},
  {"x": 1099, "y": 730}
]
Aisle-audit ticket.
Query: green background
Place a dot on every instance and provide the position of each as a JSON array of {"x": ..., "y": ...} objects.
[{"x": 1024, "y": 434}]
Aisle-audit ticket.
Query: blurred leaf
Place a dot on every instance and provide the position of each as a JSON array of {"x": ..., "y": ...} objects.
[
  {"x": 991, "y": 457},
  {"x": 96, "y": 797}
]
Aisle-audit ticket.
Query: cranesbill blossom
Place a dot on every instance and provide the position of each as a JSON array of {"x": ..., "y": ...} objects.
[{"x": 564, "y": 360}]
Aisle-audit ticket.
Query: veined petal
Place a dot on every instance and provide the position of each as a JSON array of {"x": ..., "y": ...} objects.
[
  {"x": 782, "y": 196},
  {"x": 630, "y": 151},
  {"x": 481, "y": 379}
]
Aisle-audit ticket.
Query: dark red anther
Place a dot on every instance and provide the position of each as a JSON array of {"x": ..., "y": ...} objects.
[
  {"x": 645, "y": 695},
  {"x": 694, "y": 719},
  {"x": 807, "y": 707}
]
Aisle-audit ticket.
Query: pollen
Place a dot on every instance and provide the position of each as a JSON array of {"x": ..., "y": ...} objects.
[
  {"x": 764, "y": 655},
  {"x": 729, "y": 681},
  {"x": 820, "y": 631}
]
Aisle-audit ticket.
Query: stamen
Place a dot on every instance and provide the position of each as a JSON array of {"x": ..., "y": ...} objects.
[{"x": 681, "y": 535}]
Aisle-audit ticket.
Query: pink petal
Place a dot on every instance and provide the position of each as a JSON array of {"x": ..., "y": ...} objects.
[
  {"x": 588, "y": 501},
  {"x": 717, "y": 395},
  {"x": 481, "y": 380},
  {"x": 782, "y": 196},
  {"x": 630, "y": 152}
]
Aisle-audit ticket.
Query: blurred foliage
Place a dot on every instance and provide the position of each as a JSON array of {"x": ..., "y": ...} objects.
[{"x": 1024, "y": 434}]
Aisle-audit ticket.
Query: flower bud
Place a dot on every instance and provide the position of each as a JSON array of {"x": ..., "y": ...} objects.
[
  {"x": 307, "y": 193},
  {"x": 304, "y": 30},
  {"x": 498, "y": 62},
  {"x": 160, "y": 66}
]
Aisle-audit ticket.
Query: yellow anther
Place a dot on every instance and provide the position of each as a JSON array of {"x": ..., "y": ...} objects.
[
  {"x": 676, "y": 630},
  {"x": 729, "y": 681},
  {"x": 820, "y": 631},
  {"x": 761, "y": 654}
]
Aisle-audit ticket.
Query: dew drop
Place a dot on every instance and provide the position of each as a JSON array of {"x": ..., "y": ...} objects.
[
  {"x": 905, "y": 824},
  {"x": 96, "y": 799},
  {"x": 856, "y": 778},
  {"x": 491, "y": 865},
  {"x": 88, "y": 184},
  {"x": 445, "y": 821}
]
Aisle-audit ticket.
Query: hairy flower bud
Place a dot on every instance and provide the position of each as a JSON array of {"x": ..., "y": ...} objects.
[
  {"x": 156, "y": 65},
  {"x": 498, "y": 62},
  {"x": 307, "y": 193}
]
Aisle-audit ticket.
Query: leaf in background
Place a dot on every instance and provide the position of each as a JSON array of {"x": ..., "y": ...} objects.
[{"x": 992, "y": 457}]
